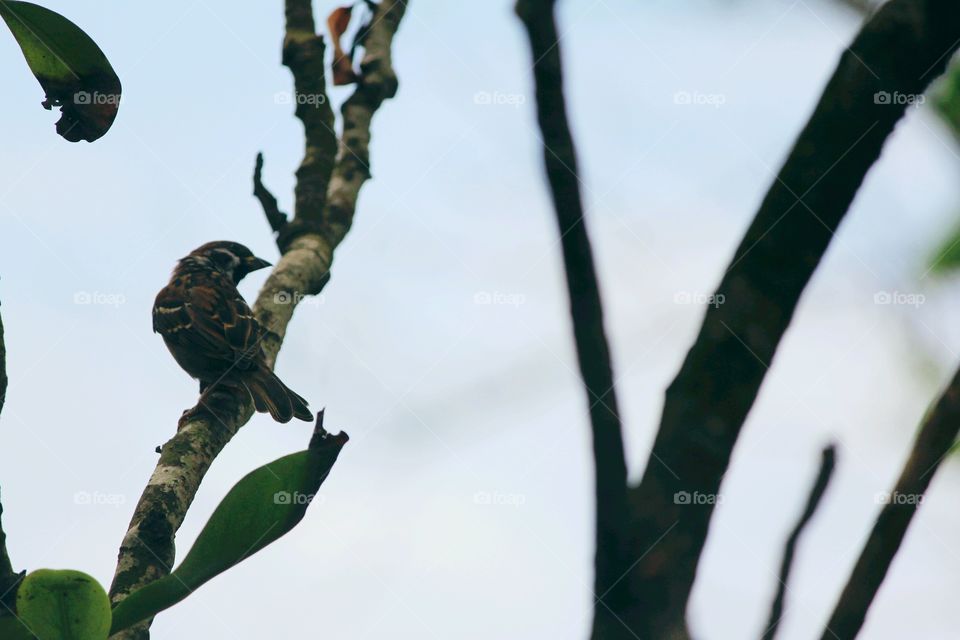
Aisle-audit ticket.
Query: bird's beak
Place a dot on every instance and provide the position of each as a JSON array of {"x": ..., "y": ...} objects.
[{"x": 254, "y": 263}]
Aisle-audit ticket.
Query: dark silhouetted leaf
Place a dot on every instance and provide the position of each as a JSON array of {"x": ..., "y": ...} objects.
[
  {"x": 71, "y": 68},
  {"x": 267, "y": 503},
  {"x": 63, "y": 605}
]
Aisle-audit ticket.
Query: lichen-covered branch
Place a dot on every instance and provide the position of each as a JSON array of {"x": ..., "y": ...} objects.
[
  {"x": 904, "y": 46},
  {"x": 819, "y": 488},
  {"x": 148, "y": 551},
  {"x": 303, "y": 50},
  {"x": 936, "y": 438},
  {"x": 586, "y": 308},
  {"x": 377, "y": 83}
]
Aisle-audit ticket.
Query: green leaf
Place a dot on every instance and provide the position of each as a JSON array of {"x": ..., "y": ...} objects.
[
  {"x": 64, "y": 605},
  {"x": 267, "y": 503},
  {"x": 71, "y": 68}
]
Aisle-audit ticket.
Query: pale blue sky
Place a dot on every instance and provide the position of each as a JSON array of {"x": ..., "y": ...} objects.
[{"x": 444, "y": 398}]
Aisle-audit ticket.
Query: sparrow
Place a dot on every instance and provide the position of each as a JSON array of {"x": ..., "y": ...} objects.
[{"x": 212, "y": 334}]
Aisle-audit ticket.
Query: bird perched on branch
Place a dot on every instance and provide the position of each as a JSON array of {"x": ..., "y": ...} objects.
[{"x": 212, "y": 334}]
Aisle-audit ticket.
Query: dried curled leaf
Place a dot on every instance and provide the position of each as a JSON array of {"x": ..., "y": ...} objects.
[
  {"x": 337, "y": 22},
  {"x": 71, "y": 68}
]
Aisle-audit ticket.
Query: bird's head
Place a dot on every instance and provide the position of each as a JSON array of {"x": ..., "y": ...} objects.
[{"x": 230, "y": 258}]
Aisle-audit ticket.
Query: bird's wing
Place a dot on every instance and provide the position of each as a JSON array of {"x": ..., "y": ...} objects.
[{"x": 210, "y": 317}]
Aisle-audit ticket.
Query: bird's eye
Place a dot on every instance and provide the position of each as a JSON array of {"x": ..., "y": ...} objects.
[{"x": 223, "y": 258}]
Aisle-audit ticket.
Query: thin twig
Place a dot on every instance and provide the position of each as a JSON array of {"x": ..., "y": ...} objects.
[
  {"x": 148, "y": 550},
  {"x": 585, "y": 305},
  {"x": 275, "y": 218},
  {"x": 819, "y": 488},
  {"x": 937, "y": 437},
  {"x": 903, "y": 47}
]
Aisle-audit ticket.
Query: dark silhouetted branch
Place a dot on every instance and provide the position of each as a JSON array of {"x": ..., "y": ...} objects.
[
  {"x": 9, "y": 579},
  {"x": 3, "y": 367},
  {"x": 585, "y": 306},
  {"x": 898, "y": 52},
  {"x": 936, "y": 438},
  {"x": 275, "y": 218},
  {"x": 827, "y": 462},
  {"x": 148, "y": 551}
]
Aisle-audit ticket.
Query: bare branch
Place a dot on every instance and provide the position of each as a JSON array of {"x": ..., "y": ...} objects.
[
  {"x": 790, "y": 548},
  {"x": 585, "y": 305},
  {"x": 899, "y": 51},
  {"x": 275, "y": 218},
  {"x": 936, "y": 438},
  {"x": 308, "y": 243}
]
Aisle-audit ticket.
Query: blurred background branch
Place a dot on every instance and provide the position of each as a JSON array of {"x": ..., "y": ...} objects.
[
  {"x": 819, "y": 488},
  {"x": 936, "y": 439},
  {"x": 586, "y": 309}
]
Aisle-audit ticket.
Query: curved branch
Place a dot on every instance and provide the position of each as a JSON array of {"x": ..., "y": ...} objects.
[
  {"x": 936, "y": 438},
  {"x": 147, "y": 551},
  {"x": 897, "y": 53}
]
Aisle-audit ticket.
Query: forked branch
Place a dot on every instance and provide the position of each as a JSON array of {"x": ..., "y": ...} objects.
[{"x": 307, "y": 243}]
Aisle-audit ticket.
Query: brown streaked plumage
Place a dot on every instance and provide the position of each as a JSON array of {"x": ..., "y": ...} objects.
[{"x": 212, "y": 334}]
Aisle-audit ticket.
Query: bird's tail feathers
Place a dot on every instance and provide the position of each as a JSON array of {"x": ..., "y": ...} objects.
[{"x": 271, "y": 396}]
